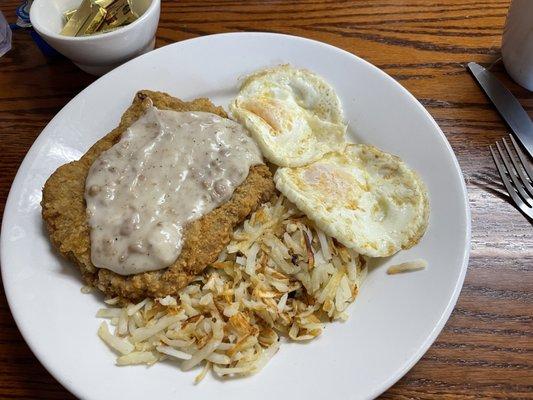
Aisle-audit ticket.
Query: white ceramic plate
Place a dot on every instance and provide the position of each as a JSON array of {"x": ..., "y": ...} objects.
[{"x": 393, "y": 321}]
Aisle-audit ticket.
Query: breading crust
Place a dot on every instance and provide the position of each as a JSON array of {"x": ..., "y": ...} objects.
[{"x": 64, "y": 214}]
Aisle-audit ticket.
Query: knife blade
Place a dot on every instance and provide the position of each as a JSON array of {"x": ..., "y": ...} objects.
[{"x": 506, "y": 104}]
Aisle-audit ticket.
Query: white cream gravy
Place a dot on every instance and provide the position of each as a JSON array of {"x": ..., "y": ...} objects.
[{"x": 168, "y": 169}]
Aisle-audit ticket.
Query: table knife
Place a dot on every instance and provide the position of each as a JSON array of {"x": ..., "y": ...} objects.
[{"x": 507, "y": 105}]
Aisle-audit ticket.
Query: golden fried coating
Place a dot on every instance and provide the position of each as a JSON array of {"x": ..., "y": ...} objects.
[{"x": 64, "y": 214}]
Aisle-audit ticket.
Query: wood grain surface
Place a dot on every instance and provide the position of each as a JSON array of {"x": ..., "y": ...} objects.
[{"x": 485, "y": 350}]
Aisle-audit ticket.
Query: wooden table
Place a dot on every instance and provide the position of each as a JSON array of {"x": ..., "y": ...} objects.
[{"x": 485, "y": 350}]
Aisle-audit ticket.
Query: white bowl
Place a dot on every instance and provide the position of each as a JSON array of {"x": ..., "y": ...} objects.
[{"x": 97, "y": 54}]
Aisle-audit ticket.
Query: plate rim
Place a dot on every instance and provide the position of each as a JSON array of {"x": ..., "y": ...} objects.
[{"x": 407, "y": 365}]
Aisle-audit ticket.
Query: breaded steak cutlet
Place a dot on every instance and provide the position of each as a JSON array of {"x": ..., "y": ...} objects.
[{"x": 64, "y": 214}]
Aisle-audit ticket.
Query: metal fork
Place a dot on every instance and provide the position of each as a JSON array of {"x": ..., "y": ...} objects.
[{"x": 517, "y": 175}]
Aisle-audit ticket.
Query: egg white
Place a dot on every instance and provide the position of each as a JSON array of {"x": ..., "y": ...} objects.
[
  {"x": 365, "y": 198},
  {"x": 295, "y": 116}
]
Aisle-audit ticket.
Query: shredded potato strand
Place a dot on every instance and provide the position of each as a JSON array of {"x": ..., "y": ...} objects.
[{"x": 279, "y": 276}]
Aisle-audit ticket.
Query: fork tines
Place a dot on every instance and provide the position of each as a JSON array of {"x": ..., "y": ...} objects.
[{"x": 516, "y": 174}]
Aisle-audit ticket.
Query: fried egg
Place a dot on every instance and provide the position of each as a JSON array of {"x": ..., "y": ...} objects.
[
  {"x": 293, "y": 114},
  {"x": 367, "y": 199}
]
